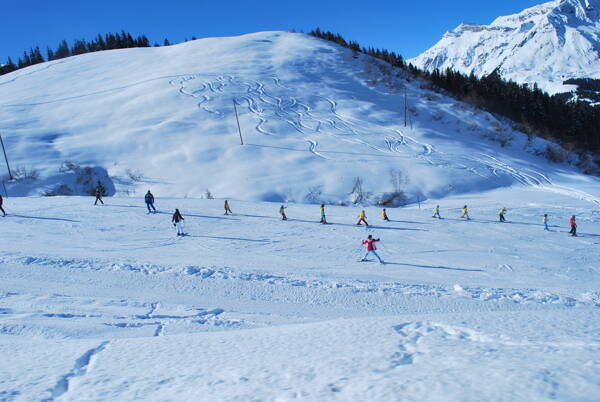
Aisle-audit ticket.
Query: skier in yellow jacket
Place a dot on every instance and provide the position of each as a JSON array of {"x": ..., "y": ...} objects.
[
  {"x": 465, "y": 213},
  {"x": 384, "y": 215},
  {"x": 362, "y": 218},
  {"x": 323, "y": 218},
  {"x": 227, "y": 209},
  {"x": 501, "y": 215}
]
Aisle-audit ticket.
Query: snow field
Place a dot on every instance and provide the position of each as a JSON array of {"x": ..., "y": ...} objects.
[{"x": 107, "y": 302}]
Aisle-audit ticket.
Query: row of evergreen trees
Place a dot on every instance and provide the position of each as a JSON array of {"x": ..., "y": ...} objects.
[
  {"x": 109, "y": 41},
  {"x": 575, "y": 124}
]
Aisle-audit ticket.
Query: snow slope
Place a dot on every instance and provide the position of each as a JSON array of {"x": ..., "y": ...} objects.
[
  {"x": 314, "y": 118},
  {"x": 106, "y": 303},
  {"x": 545, "y": 44}
]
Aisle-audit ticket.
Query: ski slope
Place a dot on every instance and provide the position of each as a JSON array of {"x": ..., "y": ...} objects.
[
  {"x": 314, "y": 118},
  {"x": 107, "y": 303}
]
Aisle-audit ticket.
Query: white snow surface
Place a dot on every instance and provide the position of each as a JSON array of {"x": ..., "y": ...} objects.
[
  {"x": 314, "y": 118},
  {"x": 107, "y": 303},
  {"x": 545, "y": 44}
]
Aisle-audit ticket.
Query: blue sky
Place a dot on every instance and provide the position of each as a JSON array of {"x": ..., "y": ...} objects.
[{"x": 405, "y": 26}]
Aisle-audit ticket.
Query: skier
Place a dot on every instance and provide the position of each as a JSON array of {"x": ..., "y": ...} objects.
[
  {"x": 362, "y": 218},
  {"x": 370, "y": 245},
  {"x": 501, "y": 214},
  {"x": 573, "y": 231},
  {"x": 149, "y": 198},
  {"x": 178, "y": 222},
  {"x": 282, "y": 212},
  {"x": 2, "y": 209},
  {"x": 227, "y": 209},
  {"x": 465, "y": 213},
  {"x": 323, "y": 219},
  {"x": 436, "y": 212},
  {"x": 99, "y": 192},
  {"x": 384, "y": 215},
  {"x": 545, "y": 222}
]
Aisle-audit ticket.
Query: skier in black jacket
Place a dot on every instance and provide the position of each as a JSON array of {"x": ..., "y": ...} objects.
[
  {"x": 178, "y": 222},
  {"x": 98, "y": 192}
]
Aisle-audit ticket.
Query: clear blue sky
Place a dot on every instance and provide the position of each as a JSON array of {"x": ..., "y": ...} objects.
[{"x": 405, "y": 26}]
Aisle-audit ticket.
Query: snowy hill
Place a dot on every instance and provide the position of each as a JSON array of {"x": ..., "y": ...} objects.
[
  {"x": 315, "y": 117},
  {"x": 547, "y": 44}
]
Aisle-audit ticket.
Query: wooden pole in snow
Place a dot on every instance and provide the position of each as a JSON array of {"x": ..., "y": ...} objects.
[
  {"x": 10, "y": 176},
  {"x": 405, "y": 106},
  {"x": 238, "y": 122}
]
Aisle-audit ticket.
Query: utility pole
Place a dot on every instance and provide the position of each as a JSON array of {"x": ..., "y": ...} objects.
[
  {"x": 405, "y": 106},
  {"x": 10, "y": 176},
  {"x": 238, "y": 122}
]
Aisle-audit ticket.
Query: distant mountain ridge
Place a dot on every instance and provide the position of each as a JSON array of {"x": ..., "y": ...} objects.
[{"x": 545, "y": 45}]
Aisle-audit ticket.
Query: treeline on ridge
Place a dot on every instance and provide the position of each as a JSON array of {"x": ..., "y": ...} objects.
[
  {"x": 575, "y": 124},
  {"x": 122, "y": 40}
]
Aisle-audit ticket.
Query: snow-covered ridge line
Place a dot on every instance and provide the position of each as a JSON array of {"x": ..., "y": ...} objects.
[{"x": 546, "y": 44}]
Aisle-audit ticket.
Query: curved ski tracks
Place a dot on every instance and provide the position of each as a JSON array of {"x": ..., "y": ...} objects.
[{"x": 321, "y": 117}]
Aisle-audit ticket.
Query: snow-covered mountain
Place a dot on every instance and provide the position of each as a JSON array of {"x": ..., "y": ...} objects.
[
  {"x": 546, "y": 44},
  {"x": 314, "y": 116}
]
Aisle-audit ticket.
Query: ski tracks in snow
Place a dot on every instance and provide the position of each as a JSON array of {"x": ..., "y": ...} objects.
[
  {"x": 481, "y": 294},
  {"x": 81, "y": 367}
]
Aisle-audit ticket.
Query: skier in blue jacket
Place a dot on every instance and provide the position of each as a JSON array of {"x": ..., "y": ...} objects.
[{"x": 149, "y": 198}]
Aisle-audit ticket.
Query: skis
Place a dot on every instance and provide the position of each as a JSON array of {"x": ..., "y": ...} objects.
[{"x": 363, "y": 260}]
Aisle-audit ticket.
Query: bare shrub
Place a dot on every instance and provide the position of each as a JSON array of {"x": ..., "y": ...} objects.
[
  {"x": 587, "y": 164},
  {"x": 208, "y": 195},
  {"x": 556, "y": 154},
  {"x": 26, "y": 175},
  {"x": 398, "y": 180},
  {"x": 134, "y": 175},
  {"x": 398, "y": 196},
  {"x": 357, "y": 195},
  {"x": 61, "y": 189},
  {"x": 314, "y": 195}
]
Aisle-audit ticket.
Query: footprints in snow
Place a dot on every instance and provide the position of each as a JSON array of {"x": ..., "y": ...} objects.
[
  {"x": 413, "y": 334},
  {"x": 82, "y": 316}
]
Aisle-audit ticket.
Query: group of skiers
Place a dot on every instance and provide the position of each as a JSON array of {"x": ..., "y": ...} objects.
[
  {"x": 177, "y": 218},
  {"x": 362, "y": 217}
]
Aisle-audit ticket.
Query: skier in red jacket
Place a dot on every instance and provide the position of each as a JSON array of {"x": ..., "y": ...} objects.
[
  {"x": 573, "y": 226},
  {"x": 369, "y": 243},
  {"x": 2, "y": 209}
]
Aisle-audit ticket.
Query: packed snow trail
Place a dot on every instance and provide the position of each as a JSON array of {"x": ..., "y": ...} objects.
[{"x": 284, "y": 306}]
